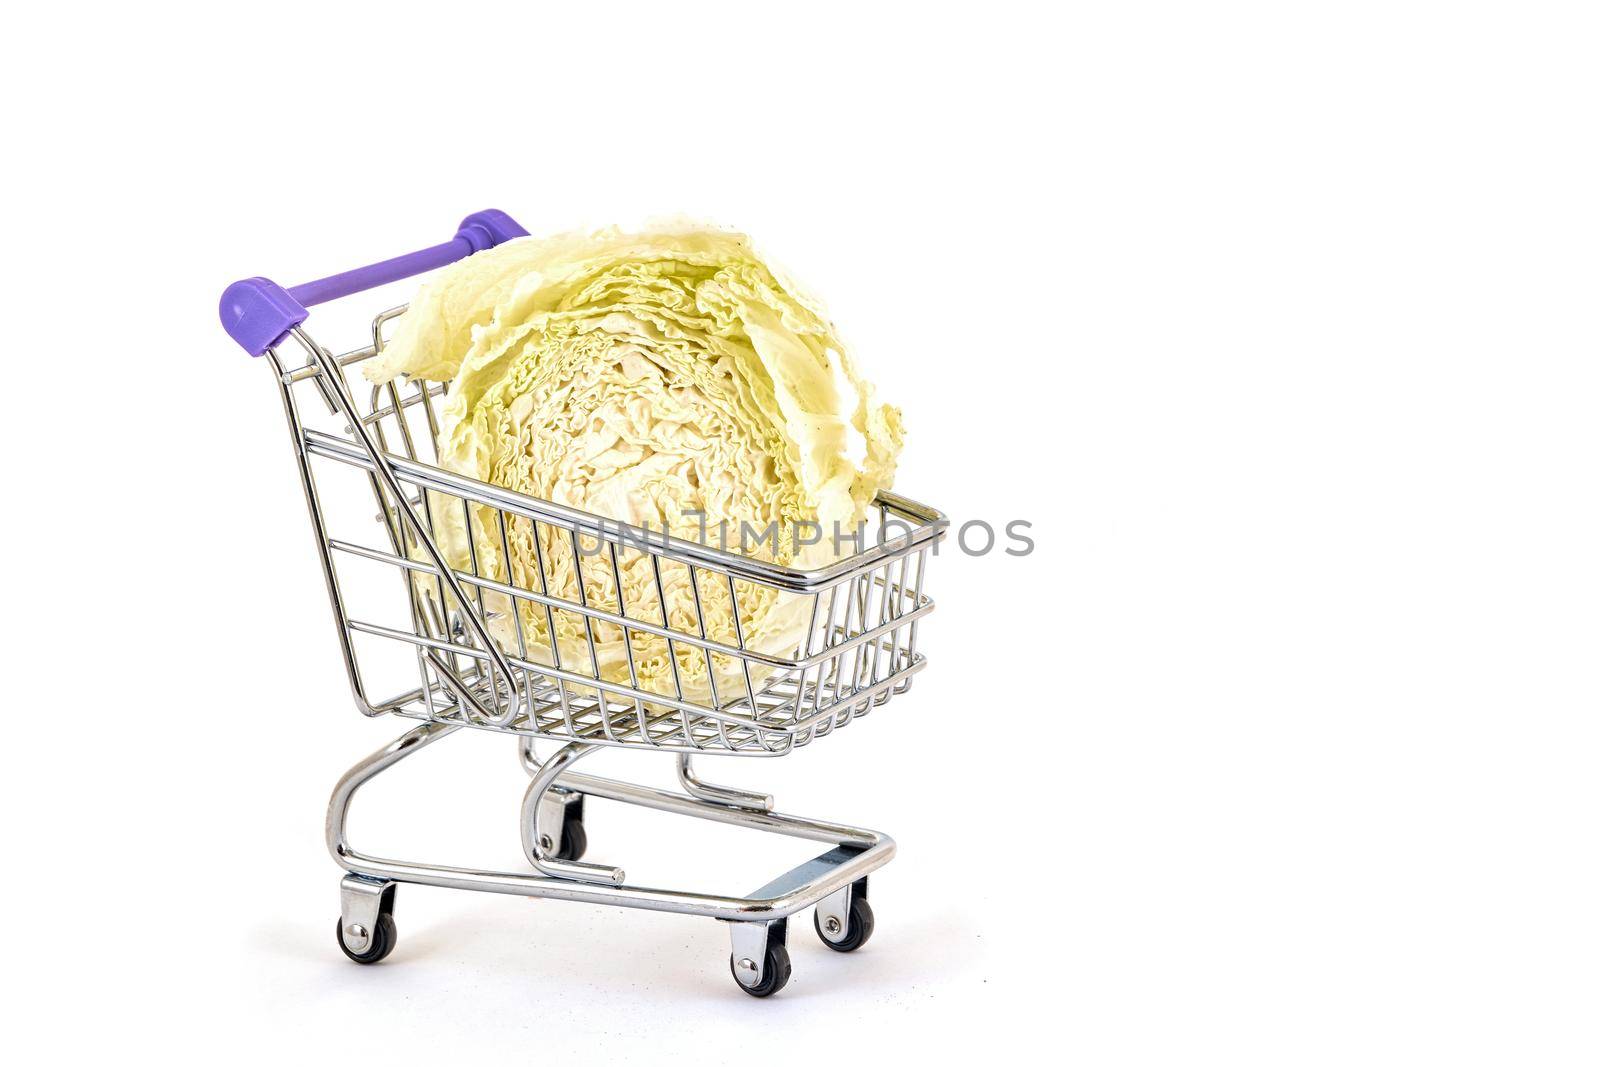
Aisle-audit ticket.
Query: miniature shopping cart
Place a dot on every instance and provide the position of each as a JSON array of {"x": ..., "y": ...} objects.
[{"x": 450, "y": 637}]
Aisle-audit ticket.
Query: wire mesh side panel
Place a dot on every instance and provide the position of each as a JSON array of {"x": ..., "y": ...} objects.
[{"x": 613, "y": 638}]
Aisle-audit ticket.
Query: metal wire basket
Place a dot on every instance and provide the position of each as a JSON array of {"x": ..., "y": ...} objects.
[{"x": 857, "y": 650}]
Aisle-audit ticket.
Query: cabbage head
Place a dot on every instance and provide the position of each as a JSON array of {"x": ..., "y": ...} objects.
[{"x": 669, "y": 379}]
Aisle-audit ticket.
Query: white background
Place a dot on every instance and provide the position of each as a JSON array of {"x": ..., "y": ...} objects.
[{"x": 1277, "y": 321}]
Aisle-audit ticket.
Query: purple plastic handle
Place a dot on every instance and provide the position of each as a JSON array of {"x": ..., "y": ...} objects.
[{"x": 258, "y": 313}]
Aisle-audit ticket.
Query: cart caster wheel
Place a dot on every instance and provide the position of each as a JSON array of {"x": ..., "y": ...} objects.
[
  {"x": 574, "y": 841},
  {"x": 855, "y": 935},
  {"x": 775, "y": 971},
  {"x": 844, "y": 920},
  {"x": 548, "y": 809},
  {"x": 379, "y": 944}
]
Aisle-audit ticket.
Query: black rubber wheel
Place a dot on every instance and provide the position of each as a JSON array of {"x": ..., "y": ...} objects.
[
  {"x": 379, "y": 945},
  {"x": 775, "y": 971},
  {"x": 574, "y": 841},
  {"x": 861, "y": 926}
]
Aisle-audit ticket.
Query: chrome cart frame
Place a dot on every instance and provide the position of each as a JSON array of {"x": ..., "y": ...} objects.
[{"x": 479, "y": 640}]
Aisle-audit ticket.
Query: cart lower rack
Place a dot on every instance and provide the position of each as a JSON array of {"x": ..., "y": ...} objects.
[{"x": 413, "y": 598}]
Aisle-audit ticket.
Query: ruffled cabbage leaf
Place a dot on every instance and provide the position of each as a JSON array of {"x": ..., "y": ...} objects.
[{"x": 669, "y": 379}]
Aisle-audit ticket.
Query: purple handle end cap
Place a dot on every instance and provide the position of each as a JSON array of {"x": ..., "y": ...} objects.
[
  {"x": 258, "y": 314},
  {"x": 485, "y": 229}
]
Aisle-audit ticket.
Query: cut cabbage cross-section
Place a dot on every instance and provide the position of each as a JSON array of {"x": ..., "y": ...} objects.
[{"x": 668, "y": 379}]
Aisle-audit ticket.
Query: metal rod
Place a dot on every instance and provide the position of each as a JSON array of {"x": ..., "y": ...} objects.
[{"x": 855, "y": 852}]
